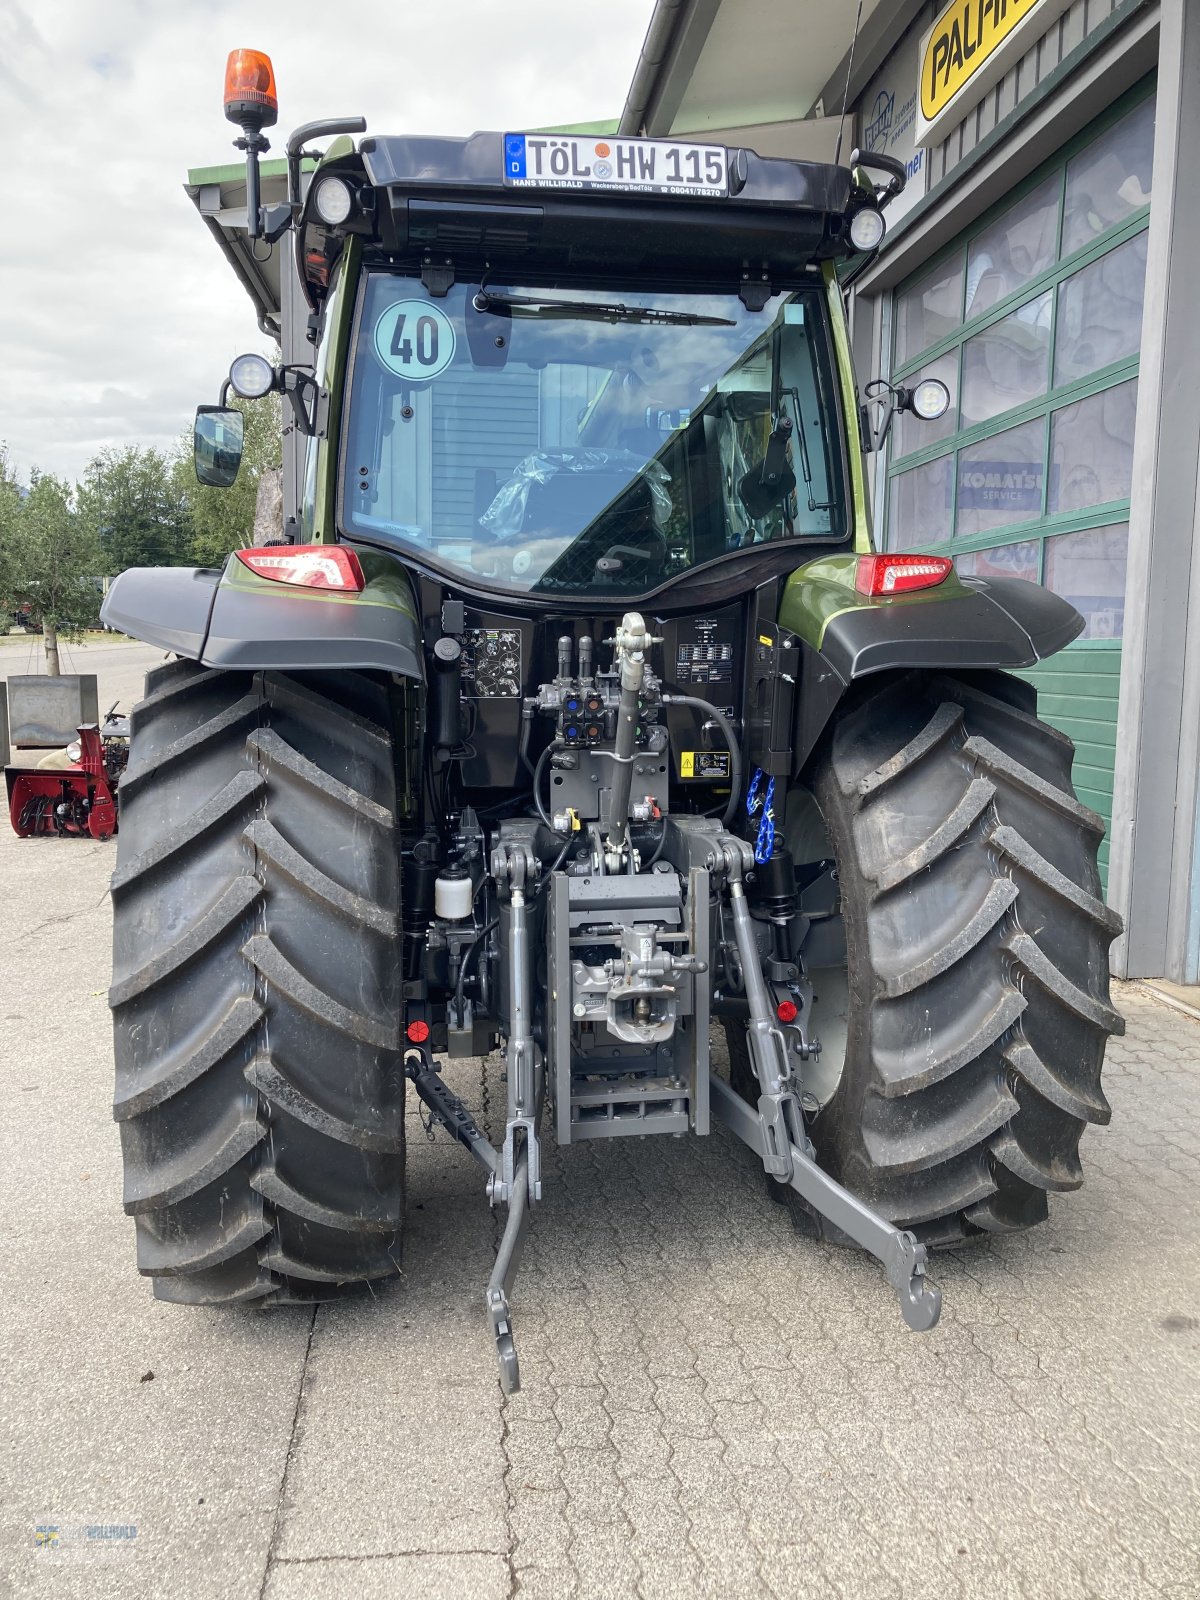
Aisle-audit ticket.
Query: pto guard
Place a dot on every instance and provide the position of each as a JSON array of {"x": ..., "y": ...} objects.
[{"x": 237, "y": 620}]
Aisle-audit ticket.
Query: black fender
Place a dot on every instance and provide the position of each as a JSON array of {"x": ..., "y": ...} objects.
[
  {"x": 991, "y": 623},
  {"x": 994, "y": 622},
  {"x": 253, "y": 624}
]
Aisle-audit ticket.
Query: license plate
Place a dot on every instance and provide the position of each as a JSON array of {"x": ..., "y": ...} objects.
[{"x": 635, "y": 166}]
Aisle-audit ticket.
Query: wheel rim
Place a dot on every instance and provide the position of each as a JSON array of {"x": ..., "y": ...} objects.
[{"x": 831, "y": 1002}]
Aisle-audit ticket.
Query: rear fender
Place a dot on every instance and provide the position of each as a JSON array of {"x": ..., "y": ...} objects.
[
  {"x": 961, "y": 625},
  {"x": 237, "y": 620}
]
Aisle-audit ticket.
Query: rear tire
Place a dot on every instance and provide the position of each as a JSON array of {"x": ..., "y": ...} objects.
[
  {"x": 256, "y": 985},
  {"x": 977, "y": 958}
]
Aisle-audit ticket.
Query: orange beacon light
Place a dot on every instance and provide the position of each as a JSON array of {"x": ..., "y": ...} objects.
[
  {"x": 250, "y": 98},
  {"x": 251, "y": 102}
]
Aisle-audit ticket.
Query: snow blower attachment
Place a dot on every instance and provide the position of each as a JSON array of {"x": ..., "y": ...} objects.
[
  {"x": 70, "y": 791},
  {"x": 575, "y": 717}
]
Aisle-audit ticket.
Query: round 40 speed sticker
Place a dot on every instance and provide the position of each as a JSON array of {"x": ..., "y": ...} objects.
[{"x": 414, "y": 339}]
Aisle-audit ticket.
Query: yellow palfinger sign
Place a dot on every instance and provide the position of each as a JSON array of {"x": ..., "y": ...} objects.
[{"x": 967, "y": 50}]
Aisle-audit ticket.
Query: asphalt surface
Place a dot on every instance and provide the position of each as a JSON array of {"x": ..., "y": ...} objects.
[{"x": 712, "y": 1407}]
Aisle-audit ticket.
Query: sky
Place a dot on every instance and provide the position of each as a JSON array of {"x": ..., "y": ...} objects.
[{"x": 118, "y": 314}]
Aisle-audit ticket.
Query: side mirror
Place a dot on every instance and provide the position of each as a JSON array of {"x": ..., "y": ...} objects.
[{"x": 217, "y": 439}]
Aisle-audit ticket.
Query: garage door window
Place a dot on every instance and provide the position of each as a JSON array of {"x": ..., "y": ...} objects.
[{"x": 1033, "y": 321}]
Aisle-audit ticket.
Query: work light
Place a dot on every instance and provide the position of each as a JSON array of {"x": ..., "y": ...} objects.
[
  {"x": 866, "y": 230},
  {"x": 333, "y": 201},
  {"x": 251, "y": 376},
  {"x": 930, "y": 399}
]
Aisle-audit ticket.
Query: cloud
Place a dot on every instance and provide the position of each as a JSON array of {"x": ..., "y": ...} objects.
[{"x": 119, "y": 312}]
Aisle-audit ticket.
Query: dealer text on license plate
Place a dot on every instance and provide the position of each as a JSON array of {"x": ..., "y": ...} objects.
[{"x": 641, "y": 166}]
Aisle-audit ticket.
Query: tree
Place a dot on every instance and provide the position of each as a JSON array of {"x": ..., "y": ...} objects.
[
  {"x": 131, "y": 501},
  {"x": 56, "y": 559},
  {"x": 10, "y": 512},
  {"x": 222, "y": 520}
]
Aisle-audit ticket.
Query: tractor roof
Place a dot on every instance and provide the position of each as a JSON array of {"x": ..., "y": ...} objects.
[
  {"x": 455, "y": 198},
  {"x": 448, "y": 198},
  {"x": 478, "y": 163}
]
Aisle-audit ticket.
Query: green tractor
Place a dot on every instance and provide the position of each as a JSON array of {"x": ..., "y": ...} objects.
[{"x": 578, "y": 716}]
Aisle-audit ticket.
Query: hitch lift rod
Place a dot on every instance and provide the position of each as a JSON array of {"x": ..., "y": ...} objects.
[
  {"x": 775, "y": 1131},
  {"x": 899, "y": 1252}
]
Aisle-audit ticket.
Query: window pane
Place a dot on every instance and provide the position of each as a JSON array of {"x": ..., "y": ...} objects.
[
  {"x": 1100, "y": 312},
  {"x": 1008, "y": 363},
  {"x": 930, "y": 310},
  {"x": 920, "y": 505},
  {"x": 909, "y": 432},
  {"x": 1110, "y": 178},
  {"x": 1015, "y": 248},
  {"x": 1000, "y": 479},
  {"x": 1088, "y": 569},
  {"x": 1091, "y": 450},
  {"x": 1001, "y": 561}
]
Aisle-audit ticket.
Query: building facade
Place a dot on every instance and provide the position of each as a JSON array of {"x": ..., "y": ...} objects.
[{"x": 1038, "y": 262}]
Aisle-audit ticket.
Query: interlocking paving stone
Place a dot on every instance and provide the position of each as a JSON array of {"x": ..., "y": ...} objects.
[{"x": 713, "y": 1406}]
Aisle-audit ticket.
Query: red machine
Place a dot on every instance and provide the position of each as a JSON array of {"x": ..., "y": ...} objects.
[{"x": 75, "y": 797}]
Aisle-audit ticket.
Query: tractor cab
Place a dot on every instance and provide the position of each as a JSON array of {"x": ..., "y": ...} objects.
[{"x": 583, "y": 367}]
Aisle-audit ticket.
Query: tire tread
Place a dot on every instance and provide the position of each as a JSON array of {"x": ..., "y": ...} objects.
[{"x": 244, "y": 1187}]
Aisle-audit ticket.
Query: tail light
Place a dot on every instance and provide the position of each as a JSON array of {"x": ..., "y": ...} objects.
[
  {"x": 787, "y": 1011},
  {"x": 309, "y": 566},
  {"x": 900, "y": 574},
  {"x": 417, "y": 1032}
]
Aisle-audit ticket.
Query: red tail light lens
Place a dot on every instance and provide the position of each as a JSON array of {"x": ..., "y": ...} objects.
[
  {"x": 786, "y": 1011},
  {"x": 884, "y": 575},
  {"x": 309, "y": 566},
  {"x": 417, "y": 1032}
]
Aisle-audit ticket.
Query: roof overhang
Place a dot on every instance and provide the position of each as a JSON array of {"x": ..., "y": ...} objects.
[
  {"x": 219, "y": 195},
  {"x": 709, "y": 66}
]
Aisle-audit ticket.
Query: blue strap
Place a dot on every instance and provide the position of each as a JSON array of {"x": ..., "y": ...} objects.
[{"x": 764, "y": 847}]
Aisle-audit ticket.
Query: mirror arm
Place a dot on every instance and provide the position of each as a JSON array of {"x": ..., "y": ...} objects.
[
  {"x": 276, "y": 220},
  {"x": 295, "y": 384},
  {"x": 887, "y": 426},
  {"x": 875, "y": 391}
]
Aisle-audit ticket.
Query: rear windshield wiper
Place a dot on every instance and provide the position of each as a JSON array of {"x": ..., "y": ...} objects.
[{"x": 542, "y": 306}]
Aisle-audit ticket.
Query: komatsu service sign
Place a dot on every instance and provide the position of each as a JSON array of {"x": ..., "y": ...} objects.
[{"x": 968, "y": 50}]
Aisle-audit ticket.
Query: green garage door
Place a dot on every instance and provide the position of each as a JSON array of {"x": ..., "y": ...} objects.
[{"x": 1033, "y": 321}]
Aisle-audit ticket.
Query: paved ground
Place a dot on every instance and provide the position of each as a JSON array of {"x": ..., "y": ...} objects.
[{"x": 712, "y": 1407}]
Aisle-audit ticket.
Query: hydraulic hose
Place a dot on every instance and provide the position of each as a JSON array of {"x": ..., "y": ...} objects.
[
  {"x": 731, "y": 740},
  {"x": 537, "y": 785},
  {"x": 554, "y": 866},
  {"x": 460, "y": 984},
  {"x": 658, "y": 848},
  {"x": 523, "y": 742}
]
